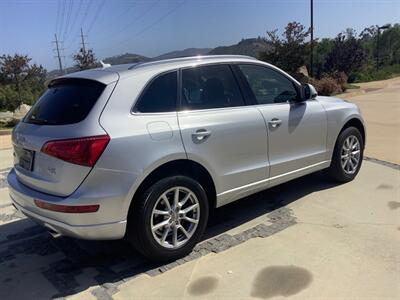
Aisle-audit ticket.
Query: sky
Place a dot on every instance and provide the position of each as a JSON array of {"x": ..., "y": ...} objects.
[{"x": 153, "y": 27}]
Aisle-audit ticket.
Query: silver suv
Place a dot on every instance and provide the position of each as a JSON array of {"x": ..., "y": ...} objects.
[{"x": 145, "y": 151}]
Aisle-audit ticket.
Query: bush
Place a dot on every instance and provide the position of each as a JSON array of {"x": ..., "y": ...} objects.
[
  {"x": 371, "y": 74},
  {"x": 341, "y": 79},
  {"x": 326, "y": 86}
]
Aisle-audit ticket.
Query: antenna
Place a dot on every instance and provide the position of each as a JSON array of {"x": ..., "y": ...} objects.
[{"x": 103, "y": 65}]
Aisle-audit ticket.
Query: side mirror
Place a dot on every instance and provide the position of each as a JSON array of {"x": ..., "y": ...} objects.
[{"x": 309, "y": 92}]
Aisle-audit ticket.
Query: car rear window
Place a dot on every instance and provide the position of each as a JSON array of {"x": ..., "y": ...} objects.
[{"x": 65, "y": 102}]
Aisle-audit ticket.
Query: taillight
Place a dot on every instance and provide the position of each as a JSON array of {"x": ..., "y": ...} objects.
[{"x": 83, "y": 151}]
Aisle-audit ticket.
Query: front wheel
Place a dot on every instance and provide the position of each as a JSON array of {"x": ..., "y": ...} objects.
[
  {"x": 347, "y": 156},
  {"x": 169, "y": 218}
]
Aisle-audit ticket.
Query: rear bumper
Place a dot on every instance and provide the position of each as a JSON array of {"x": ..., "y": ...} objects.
[{"x": 69, "y": 224}]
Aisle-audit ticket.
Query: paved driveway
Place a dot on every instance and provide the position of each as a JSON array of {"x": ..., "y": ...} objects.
[
  {"x": 306, "y": 239},
  {"x": 380, "y": 105}
]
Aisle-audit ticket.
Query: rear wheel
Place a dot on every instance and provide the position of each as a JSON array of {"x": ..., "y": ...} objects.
[
  {"x": 169, "y": 218},
  {"x": 347, "y": 156}
]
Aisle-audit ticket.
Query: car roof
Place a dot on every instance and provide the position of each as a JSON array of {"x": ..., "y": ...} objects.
[{"x": 110, "y": 74}]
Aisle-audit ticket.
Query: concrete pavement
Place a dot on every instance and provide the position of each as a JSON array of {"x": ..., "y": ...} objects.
[
  {"x": 306, "y": 239},
  {"x": 345, "y": 244},
  {"x": 379, "y": 102}
]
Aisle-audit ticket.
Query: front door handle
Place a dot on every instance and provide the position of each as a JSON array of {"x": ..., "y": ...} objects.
[
  {"x": 275, "y": 122},
  {"x": 200, "y": 135}
]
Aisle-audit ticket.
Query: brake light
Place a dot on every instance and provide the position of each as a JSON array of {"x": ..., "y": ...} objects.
[
  {"x": 67, "y": 208},
  {"x": 83, "y": 151}
]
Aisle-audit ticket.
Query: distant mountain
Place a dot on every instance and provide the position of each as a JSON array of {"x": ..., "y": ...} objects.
[
  {"x": 126, "y": 58},
  {"x": 251, "y": 47},
  {"x": 184, "y": 53},
  {"x": 56, "y": 73}
]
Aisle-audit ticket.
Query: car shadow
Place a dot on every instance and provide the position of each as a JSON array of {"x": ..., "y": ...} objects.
[{"x": 34, "y": 265}]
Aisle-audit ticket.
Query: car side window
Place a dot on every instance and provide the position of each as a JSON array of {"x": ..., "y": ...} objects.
[
  {"x": 212, "y": 86},
  {"x": 160, "y": 95},
  {"x": 269, "y": 86}
]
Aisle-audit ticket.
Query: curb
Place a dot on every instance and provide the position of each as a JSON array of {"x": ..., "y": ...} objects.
[{"x": 382, "y": 162}]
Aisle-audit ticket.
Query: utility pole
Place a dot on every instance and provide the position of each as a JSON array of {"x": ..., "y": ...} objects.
[
  {"x": 312, "y": 39},
  {"x": 58, "y": 54},
  {"x": 83, "y": 42}
]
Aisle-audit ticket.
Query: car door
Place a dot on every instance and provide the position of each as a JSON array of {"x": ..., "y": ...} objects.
[
  {"x": 297, "y": 129},
  {"x": 220, "y": 132}
]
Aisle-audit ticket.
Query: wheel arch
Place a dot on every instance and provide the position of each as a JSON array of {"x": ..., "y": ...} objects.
[
  {"x": 186, "y": 167},
  {"x": 357, "y": 123}
]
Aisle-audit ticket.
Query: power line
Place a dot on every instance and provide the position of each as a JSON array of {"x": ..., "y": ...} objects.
[
  {"x": 58, "y": 16},
  {"x": 82, "y": 22},
  {"x": 86, "y": 12},
  {"x": 70, "y": 6},
  {"x": 76, "y": 15},
  {"x": 151, "y": 24},
  {"x": 135, "y": 20},
  {"x": 119, "y": 17},
  {"x": 62, "y": 17},
  {"x": 97, "y": 13}
]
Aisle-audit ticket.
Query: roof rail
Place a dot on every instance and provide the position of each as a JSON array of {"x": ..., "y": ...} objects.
[{"x": 187, "y": 58}]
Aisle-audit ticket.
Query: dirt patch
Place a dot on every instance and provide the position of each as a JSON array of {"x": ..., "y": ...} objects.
[
  {"x": 203, "y": 285},
  {"x": 393, "y": 205},
  {"x": 385, "y": 187},
  {"x": 280, "y": 281}
]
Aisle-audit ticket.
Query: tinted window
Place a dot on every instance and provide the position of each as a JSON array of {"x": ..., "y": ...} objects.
[
  {"x": 268, "y": 86},
  {"x": 65, "y": 102},
  {"x": 209, "y": 87},
  {"x": 160, "y": 95}
]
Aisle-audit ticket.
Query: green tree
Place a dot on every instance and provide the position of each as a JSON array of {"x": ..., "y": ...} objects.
[
  {"x": 289, "y": 52},
  {"x": 85, "y": 59},
  {"x": 321, "y": 50},
  {"x": 347, "y": 54},
  {"x": 20, "y": 81},
  {"x": 8, "y": 97}
]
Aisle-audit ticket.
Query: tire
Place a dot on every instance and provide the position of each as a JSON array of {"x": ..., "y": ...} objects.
[
  {"x": 339, "y": 170},
  {"x": 145, "y": 215}
]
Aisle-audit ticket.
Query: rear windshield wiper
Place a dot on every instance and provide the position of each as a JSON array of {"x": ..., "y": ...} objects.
[{"x": 40, "y": 121}]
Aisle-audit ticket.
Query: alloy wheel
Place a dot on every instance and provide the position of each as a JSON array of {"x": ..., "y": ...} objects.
[
  {"x": 350, "y": 154},
  {"x": 175, "y": 217}
]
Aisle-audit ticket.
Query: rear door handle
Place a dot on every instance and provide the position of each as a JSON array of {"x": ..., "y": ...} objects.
[
  {"x": 200, "y": 135},
  {"x": 275, "y": 122}
]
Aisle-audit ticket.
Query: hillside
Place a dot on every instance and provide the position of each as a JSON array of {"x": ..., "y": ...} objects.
[
  {"x": 55, "y": 73},
  {"x": 183, "y": 53},
  {"x": 126, "y": 58},
  {"x": 251, "y": 47}
]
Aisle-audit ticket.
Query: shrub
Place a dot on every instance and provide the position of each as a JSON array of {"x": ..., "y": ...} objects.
[
  {"x": 326, "y": 86},
  {"x": 371, "y": 74},
  {"x": 341, "y": 79}
]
